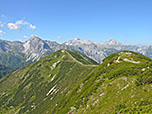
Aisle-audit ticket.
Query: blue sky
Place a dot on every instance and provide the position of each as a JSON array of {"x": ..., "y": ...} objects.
[{"x": 128, "y": 21}]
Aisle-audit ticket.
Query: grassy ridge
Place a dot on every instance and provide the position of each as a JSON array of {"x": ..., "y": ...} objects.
[
  {"x": 71, "y": 83},
  {"x": 38, "y": 87},
  {"x": 121, "y": 84}
]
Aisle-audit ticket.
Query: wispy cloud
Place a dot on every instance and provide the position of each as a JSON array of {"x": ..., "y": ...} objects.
[
  {"x": 1, "y": 25},
  {"x": 26, "y": 37},
  {"x": 16, "y": 25},
  {"x": 1, "y": 32},
  {"x": 3, "y": 16},
  {"x": 21, "y": 22},
  {"x": 13, "y": 26},
  {"x": 59, "y": 37},
  {"x": 3, "y": 19}
]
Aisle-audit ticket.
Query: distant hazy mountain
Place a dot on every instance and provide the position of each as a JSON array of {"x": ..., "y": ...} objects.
[
  {"x": 112, "y": 42},
  {"x": 18, "y": 54},
  {"x": 98, "y": 51}
]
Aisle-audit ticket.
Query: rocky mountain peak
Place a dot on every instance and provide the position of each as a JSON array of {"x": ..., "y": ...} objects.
[
  {"x": 34, "y": 41},
  {"x": 112, "y": 42},
  {"x": 78, "y": 42},
  {"x": 35, "y": 47},
  {"x": 34, "y": 38}
]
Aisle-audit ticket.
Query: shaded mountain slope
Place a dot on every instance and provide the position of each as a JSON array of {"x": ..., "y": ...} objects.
[
  {"x": 4, "y": 70},
  {"x": 39, "y": 86},
  {"x": 121, "y": 84},
  {"x": 13, "y": 61}
]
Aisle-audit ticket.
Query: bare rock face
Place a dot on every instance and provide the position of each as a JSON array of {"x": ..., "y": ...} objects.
[
  {"x": 112, "y": 42},
  {"x": 34, "y": 48},
  {"x": 77, "y": 42}
]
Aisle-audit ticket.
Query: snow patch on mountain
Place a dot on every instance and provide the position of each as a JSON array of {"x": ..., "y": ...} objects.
[
  {"x": 51, "y": 90},
  {"x": 117, "y": 61},
  {"x": 125, "y": 87},
  {"x": 53, "y": 77},
  {"x": 54, "y": 65},
  {"x": 127, "y": 60}
]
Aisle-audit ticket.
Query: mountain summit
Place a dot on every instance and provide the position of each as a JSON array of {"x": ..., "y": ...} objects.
[
  {"x": 34, "y": 37},
  {"x": 112, "y": 42},
  {"x": 34, "y": 48},
  {"x": 78, "y": 42}
]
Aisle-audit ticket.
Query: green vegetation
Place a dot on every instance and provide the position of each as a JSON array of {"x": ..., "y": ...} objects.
[
  {"x": 82, "y": 58},
  {"x": 121, "y": 84},
  {"x": 70, "y": 83},
  {"x": 145, "y": 109},
  {"x": 39, "y": 86}
]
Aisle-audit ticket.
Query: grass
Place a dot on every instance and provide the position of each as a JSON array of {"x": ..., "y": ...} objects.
[
  {"x": 111, "y": 89},
  {"x": 25, "y": 91}
]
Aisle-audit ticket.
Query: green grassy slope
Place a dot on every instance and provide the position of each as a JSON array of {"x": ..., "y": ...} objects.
[
  {"x": 121, "y": 84},
  {"x": 39, "y": 86}
]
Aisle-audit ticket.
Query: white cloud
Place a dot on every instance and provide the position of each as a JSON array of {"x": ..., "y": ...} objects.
[
  {"x": 32, "y": 26},
  {"x": 1, "y": 32},
  {"x": 25, "y": 36},
  {"x": 13, "y": 26},
  {"x": 22, "y": 22},
  {"x": 3, "y": 16},
  {"x": 16, "y": 25},
  {"x": 1, "y": 25}
]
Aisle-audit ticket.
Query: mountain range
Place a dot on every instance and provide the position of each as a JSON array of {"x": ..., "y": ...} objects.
[
  {"x": 67, "y": 82},
  {"x": 17, "y": 54}
]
